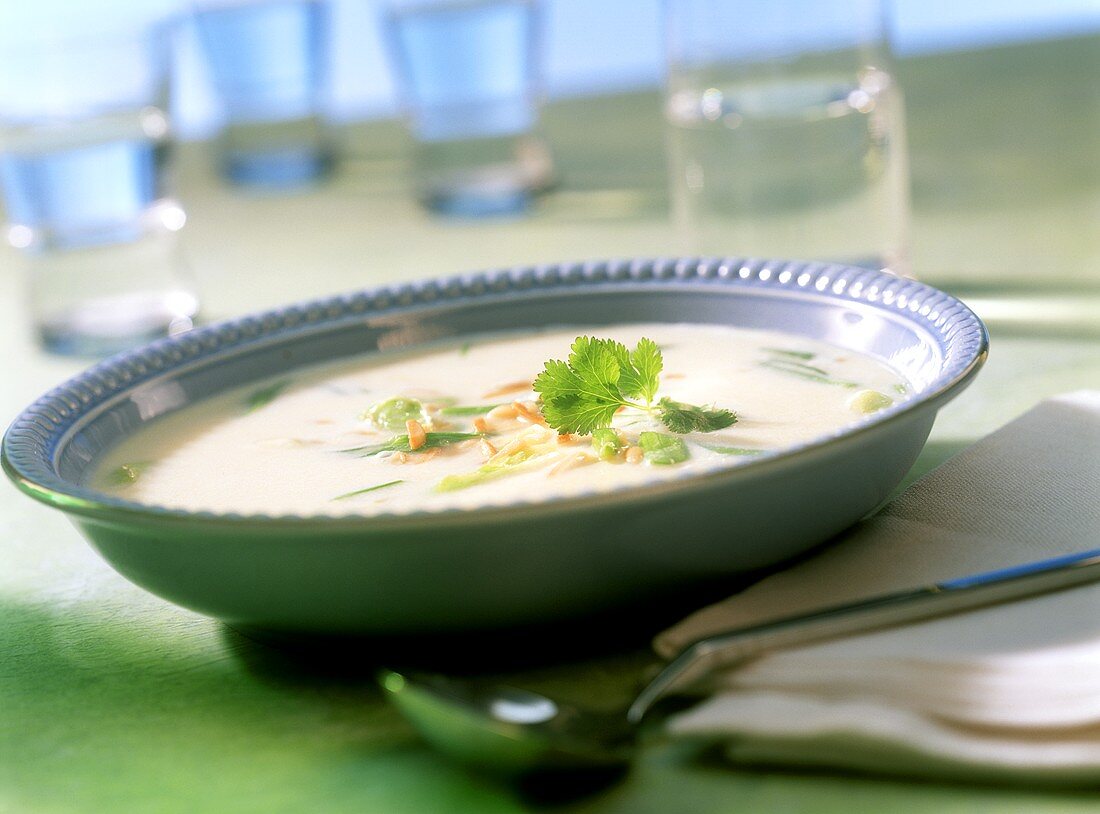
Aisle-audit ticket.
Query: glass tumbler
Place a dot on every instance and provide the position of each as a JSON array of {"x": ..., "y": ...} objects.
[
  {"x": 87, "y": 188},
  {"x": 785, "y": 131},
  {"x": 468, "y": 73},
  {"x": 268, "y": 61}
]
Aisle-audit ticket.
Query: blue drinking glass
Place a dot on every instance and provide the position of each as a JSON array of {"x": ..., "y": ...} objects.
[
  {"x": 469, "y": 76},
  {"x": 86, "y": 180},
  {"x": 268, "y": 63}
]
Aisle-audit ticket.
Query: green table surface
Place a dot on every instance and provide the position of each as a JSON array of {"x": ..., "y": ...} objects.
[{"x": 112, "y": 700}]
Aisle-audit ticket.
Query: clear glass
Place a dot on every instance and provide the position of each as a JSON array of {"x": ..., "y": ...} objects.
[
  {"x": 85, "y": 173},
  {"x": 786, "y": 132},
  {"x": 268, "y": 61},
  {"x": 469, "y": 76}
]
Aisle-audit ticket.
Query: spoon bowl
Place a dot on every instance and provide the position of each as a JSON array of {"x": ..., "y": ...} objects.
[{"x": 505, "y": 729}]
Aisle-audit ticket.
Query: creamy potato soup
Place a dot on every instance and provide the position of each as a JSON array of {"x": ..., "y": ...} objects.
[{"x": 494, "y": 420}]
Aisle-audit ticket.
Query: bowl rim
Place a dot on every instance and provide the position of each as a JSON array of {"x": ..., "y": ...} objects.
[{"x": 31, "y": 442}]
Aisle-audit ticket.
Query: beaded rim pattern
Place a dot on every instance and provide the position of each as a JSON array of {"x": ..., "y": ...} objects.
[{"x": 33, "y": 441}]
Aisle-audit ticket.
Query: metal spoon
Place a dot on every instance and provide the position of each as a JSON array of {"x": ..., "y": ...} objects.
[{"x": 515, "y": 731}]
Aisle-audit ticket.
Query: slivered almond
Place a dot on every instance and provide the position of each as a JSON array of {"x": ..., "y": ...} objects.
[
  {"x": 417, "y": 436},
  {"x": 528, "y": 411},
  {"x": 292, "y": 442},
  {"x": 515, "y": 445},
  {"x": 425, "y": 456},
  {"x": 571, "y": 462},
  {"x": 566, "y": 438},
  {"x": 480, "y": 425},
  {"x": 634, "y": 455},
  {"x": 511, "y": 387},
  {"x": 399, "y": 458},
  {"x": 538, "y": 434},
  {"x": 672, "y": 376},
  {"x": 487, "y": 449},
  {"x": 534, "y": 437},
  {"x": 502, "y": 412}
]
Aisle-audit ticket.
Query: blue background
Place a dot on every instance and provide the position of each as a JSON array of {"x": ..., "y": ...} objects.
[{"x": 591, "y": 45}]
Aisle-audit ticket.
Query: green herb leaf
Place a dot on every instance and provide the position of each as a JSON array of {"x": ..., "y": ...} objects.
[
  {"x": 126, "y": 474},
  {"x": 575, "y": 414},
  {"x": 265, "y": 395},
  {"x": 557, "y": 381},
  {"x": 801, "y": 366},
  {"x": 638, "y": 369},
  {"x": 596, "y": 363},
  {"x": 346, "y": 495},
  {"x": 804, "y": 371},
  {"x": 582, "y": 394},
  {"x": 400, "y": 443},
  {"x": 470, "y": 409},
  {"x": 606, "y": 443},
  {"x": 392, "y": 414},
  {"x": 805, "y": 355},
  {"x": 721, "y": 450},
  {"x": 680, "y": 417},
  {"x": 662, "y": 449},
  {"x": 648, "y": 364}
]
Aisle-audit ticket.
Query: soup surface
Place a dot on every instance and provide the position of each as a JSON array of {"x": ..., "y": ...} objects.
[{"x": 462, "y": 425}]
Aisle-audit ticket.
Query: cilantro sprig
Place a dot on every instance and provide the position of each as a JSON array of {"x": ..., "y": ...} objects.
[
  {"x": 601, "y": 377},
  {"x": 682, "y": 418}
]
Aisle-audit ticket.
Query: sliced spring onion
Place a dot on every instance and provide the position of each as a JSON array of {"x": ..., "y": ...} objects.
[
  {"x": 346, "y": 495},
  {"x": 662, "y": 449},
  {"x": 468, "y": 409},
  {"x": 400, "y": 443},
  {"x": 804, "y": 371},
  {"x": 265, "y": 395}
]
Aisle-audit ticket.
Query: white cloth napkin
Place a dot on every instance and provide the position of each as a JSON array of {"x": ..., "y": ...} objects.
[{"x": 1007, "y": 692}]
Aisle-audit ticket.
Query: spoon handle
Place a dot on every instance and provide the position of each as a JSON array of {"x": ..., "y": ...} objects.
[{"x": 887, "y": 610}]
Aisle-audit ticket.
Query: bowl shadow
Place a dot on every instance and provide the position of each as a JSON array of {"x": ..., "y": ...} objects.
[{"x": 621, "y": 633}]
